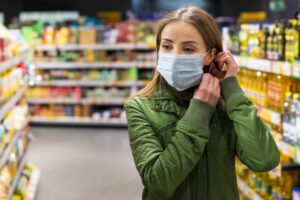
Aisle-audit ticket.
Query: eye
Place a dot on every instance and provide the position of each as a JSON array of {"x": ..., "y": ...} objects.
[
  {"x": 166, "y": 47},
  {"x": 189, "y": 50}
]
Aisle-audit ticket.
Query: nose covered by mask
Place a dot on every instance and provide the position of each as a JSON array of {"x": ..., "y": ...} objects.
[{"x": 180, "y": 71}]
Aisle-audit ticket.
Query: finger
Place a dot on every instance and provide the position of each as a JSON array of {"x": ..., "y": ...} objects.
[
  {"x": 223, "y": 59},
  {"x": 218, "y": 89},
  {"x": 216, "y": 83},
  {"x": 216, "y": 73},
  {"x": 219, "y": 55},
  {"x": 205, "y": 80}
]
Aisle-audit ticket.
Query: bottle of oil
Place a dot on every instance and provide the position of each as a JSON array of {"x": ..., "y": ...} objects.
[
  {"x": 297, "y": 123},
  {"x": 286, "y": 116},
  {"x": 293, "y": 117},
  {"x": 286, "y": 185},
  {"x": 281, "y": 41}
]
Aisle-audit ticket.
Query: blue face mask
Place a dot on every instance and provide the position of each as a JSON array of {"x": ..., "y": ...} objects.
[{"x": 180, "y": 71}]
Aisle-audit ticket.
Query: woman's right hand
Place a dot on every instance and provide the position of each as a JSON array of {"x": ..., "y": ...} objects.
[{"x": 209, "y": 90}]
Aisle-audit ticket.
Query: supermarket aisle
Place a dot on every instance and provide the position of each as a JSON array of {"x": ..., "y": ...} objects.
[{"x": 84, "y": 163}]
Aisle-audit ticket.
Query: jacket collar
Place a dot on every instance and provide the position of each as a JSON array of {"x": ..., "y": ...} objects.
[{"x": 163, "y": 100}]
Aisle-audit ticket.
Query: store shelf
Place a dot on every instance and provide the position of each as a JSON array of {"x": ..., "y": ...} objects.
[
  {"x": 287, "y": 149},
  {"x": 247, "y": 191},
  {"x": 277, "y": 67},
  {"x": 17, "y": 176},
  {"x": 7, "y": 151},
  {"x": 77, "y": 121},
  {"x": 269, "y": 115},
  {"x": 33, "y": 183},
  {"x": 12, "y": 102},
  {"x": 118, "y": 46},
  {"x": 10, "y": 63},
  {"x": 87, "y": 83},
  {"x": 96, "y": 65},
  {"x": 87, "y": 101}
]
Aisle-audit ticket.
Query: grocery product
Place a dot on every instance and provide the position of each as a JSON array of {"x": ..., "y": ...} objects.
[{"x": 273, "y": 41}]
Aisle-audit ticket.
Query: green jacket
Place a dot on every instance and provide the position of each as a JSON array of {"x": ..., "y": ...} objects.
[{"x": 188, "y": 153}]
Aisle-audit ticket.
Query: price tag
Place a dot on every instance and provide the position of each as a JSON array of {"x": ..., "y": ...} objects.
[
  {"x": 287, "y": 68},
  {"x": 251, "y": 63},
  {"x": 277, "y": 67},
  {"x": 296, "y": 69},
  {"x": 275, "y": 118},
  {"x": 297, "y": 155}
]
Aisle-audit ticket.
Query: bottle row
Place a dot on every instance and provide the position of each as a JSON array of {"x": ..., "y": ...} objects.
[
  {"x": 274, "y": 41},
  {"x": 12, "y": 43},
  {"x": 10, "y": 81},
  {"x": 91, "y": 56},
  {"x": 83, "y": 32},
  {"x": 268, "y": 186},
  {"x": 130, "y": 74},
  {"x": 96, "y": 113},
  {"x": 26, "y": 185},
  {"x": 266, "y": 89},
  {"x": 9, "y": 172},
  {"x": 13, "y": 146},
  {"x": 77, "y": 93}
]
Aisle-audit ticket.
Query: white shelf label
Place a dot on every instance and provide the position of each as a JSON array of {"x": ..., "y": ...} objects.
[{"x": 287, "y": 68}]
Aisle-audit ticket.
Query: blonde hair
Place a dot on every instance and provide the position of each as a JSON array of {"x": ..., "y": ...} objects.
[{"x": 202, "y": 21}]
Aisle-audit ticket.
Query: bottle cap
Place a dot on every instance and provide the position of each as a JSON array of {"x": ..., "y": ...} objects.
[
  {"x": 288, "y": 94},
  {"x": 296, "y": 96}
]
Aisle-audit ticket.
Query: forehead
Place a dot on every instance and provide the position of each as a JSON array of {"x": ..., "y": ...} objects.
[{"x": 180, "y": 31}]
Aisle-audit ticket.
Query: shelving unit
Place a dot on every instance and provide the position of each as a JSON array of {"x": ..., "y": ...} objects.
[
  {"x": 109, "y": 102},
  {"x": 12, "y": 62},
  {"x": 118, "y": 46},
  {"x": 77, "y": 121},
  {"x": 247, "y": 191},
  {"x": 276, "y": 67},
  {"x": 87, "y": 101},
  {"x": 12, "y": 102},
  {"x": 13, "y": 89},
  {"x": 18, "y": 175},
  {"x": 5, "y": 154},
  {"x": 269, "y": 115},
  {"x": 97, "y": 65},
  {"x": 87, "y": 83}
]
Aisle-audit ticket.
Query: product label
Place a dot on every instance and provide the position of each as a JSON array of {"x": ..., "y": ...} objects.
[
  {"x": 296, "y": 69},
  {"x": 297, "y": 155},
  {"x": 277, "y": 67},
  {"x": 287, "y": 69},
  {"x": 293, "y": 133},
  {"x": 298, "y": 129},
  {"x": 285, "y": 127}
]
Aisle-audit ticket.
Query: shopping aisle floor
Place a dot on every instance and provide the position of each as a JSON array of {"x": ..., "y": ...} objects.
[{"x": 84, "y": 164}]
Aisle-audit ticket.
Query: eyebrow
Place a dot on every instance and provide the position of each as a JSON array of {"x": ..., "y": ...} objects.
[{"x": 185, "y": 42}]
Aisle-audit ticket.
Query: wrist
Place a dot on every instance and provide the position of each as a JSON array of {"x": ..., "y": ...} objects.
[{"x": 230, "y": 87}]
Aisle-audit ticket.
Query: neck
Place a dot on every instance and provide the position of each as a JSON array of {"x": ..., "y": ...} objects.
[{"x": 185, "y": 95}]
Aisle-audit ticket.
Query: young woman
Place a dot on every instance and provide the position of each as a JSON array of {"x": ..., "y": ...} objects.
[{"x": 186, "y": 127}]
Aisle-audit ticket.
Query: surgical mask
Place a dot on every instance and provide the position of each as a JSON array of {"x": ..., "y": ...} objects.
[{"x": 180, "y": 71}]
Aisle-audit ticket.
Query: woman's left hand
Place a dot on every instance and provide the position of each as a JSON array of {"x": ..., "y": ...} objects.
[{"x": 226, "y": 57}]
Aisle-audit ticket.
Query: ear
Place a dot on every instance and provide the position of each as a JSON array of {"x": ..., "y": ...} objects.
[{"x": 210, "y": 56}]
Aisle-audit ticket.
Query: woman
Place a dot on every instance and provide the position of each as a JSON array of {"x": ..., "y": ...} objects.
[{"x": 186, "y": 127}]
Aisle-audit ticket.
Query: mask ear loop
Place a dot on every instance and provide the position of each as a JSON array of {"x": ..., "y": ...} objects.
[{"x": 207, "y": 68}]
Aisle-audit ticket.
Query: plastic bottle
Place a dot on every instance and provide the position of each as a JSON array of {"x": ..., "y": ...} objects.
[
  {"x": 286, "y": 116},
  {"x": 286, "y": 184},
  {"x": 298, "y": 118},
  {"x": 293, "y": 117}
]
